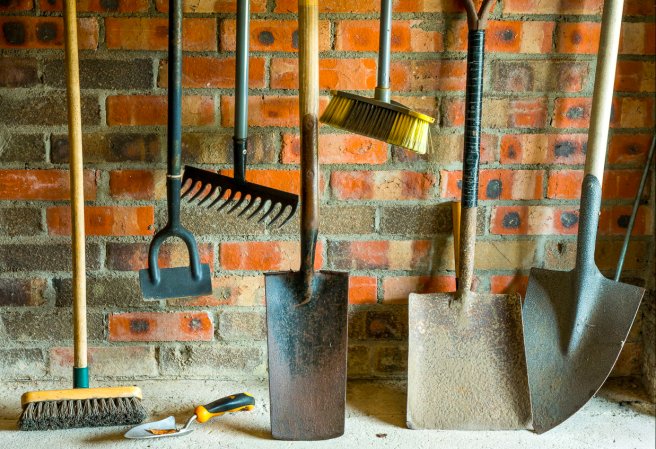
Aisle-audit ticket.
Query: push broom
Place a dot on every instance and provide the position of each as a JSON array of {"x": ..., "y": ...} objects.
[
  {"x": 81, "y": 406},
  {"x": 379, "y": 117}
]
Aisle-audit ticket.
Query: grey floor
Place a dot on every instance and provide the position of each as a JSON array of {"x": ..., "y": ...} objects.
[{"x": 618, "y": 419}]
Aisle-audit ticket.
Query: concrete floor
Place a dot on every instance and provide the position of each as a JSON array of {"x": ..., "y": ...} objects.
[{"x": 617, "y": 419}]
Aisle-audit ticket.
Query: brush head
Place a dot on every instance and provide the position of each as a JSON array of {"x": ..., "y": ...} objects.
[
  {"x": 390, "y": 122},
  {"x": 81, "y": 407}
]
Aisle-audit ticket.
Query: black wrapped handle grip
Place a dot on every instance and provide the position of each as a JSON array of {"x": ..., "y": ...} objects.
[{"x": 473, "y": 106}]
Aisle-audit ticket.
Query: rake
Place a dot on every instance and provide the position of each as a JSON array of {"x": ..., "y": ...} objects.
[{"x": 213, "y": 188}]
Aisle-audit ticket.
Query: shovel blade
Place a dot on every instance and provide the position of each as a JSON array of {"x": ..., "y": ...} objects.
[
  {"x": 573, "y": 337},
  {"x": 175, "y": 283},
  {"x": 307, "y": 348},
  {"x": 466, "y": 367}
]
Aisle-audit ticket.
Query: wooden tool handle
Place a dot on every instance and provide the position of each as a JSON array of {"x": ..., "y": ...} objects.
[
  {"x": 602, "y": 97},
  {"x": 77, "y": 184},
  {"x": 455, "y": 220},
  {"x": 308, "y": 30},
  {"x": 478, "y": 20}
]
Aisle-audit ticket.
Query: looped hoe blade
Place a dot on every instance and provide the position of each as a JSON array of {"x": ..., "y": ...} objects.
[{"x": 215, "y": 189}]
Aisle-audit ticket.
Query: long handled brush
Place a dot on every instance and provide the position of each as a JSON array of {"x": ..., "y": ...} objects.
[
  {"x": 81, "y": 406},
  {"x": 379, "y": 117}
]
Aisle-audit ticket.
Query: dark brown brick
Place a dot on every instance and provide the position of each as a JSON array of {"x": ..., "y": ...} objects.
[
  {"x": 217, "y": 361},
  {"x": 23, "y": 363},
  {"x": 241, "y": 325},
  {"x": 48, "y": 325},
  {"x": 110, "y": 148},
  {"x": 391, "y": 360},
  {"x": 20, "y": 221},
  {"x": 102, "y": 291},
  {"x": 203, "y": 221},
  {"x": 539, "y": 76},
  {"x": 22, "y": 292},
  {"x": 18, "y": 72},
  {"x": 359, "y": 361},
  {"x": 45, "y": 109},
  {"x": 22, "y": 147},
  {"x": 44, "y": 257},
  {"x": 216, "y": 148},
  {"x": 388, "y": 324},
  {"x": 338, "y": 220},
  {"x": 356, "y": 323},
  {"x": 103, "y": 73},
  {"x": 416, "y": 220}
]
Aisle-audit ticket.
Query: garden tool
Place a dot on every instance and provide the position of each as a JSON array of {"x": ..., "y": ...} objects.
[
  {"x": 80, "y": 406},
  {"x": 379, "y": 117},
  {"x": 466, "y": 367},
  {"x": 208, "y": 185},
  {"x": 576, "y": 322},
  {"x": 307, "y": 310},
  {"x": 167, "y": 427},
  {"x": 162, "y": 283}
]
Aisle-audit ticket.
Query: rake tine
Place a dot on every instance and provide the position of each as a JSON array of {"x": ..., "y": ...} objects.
[
  {"x": 218, "y": 197},
  {"x": 191, "y": 183},
  {"x": 267, "y": 212},
  {"x": 209, "y": 195},
  {"x": 291, "y": 214},
  {"x": 259, "y": 208},
  {"x": 233, "y": 192},
  {"x": 238, "y": 203},
  {"x": 250, "y": 204},
  {"x": 202, "y": 188},
  {"x": 278, "y": 215}
]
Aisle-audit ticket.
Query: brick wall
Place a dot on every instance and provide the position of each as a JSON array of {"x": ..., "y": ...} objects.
[{"x": 385, "y": 212}]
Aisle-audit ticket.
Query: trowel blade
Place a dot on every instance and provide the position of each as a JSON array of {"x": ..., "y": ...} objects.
[{"x": 143, "y": 431}]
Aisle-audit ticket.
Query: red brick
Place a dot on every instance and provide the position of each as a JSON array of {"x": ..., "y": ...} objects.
[
  {"x": 407, "y": 36},
  {"x": 578, "y": 37},
  {"x": 527, "y": 113},
  {"x": 509, "y": 284},
  {"x": 121, "y": 6},
  {"x": 572, "y": 112},
  {"x": 633, "y": 112},
  {"x": 150, "y": 110},
  {"x": 152, "y": 34},
  {"x": 45, "y": 32},
  {"x": 210, "y": 72},
  {"x": 425, "y": 104},
  {"x": 429, "y": 5},
  {"x": 264, "y": 256},
  {"x": 617, "y": 184},
  {"x": 428, "y": 75},
  {"x": 382, "y": 185},
  {"x": 211, "y": 6},
  {"x": 363, "y": 290},
  {"x": 591, "y": 7},
  {"x": 271, "y": 110},
  {"x": 505, "y": 37},
  {"x": 46, "y": 185},
  {"x": 338, "y": 149},
  {"x": 229, "y": 291},
  {"x": 271, "y": 35},
  {"x": 330, "y": 6},
  {"x": 615, "y": 219},
  {"x": 137, "y": 184},
  {"x": 287, "y": 180},
  {"x": 638, "y": 38},
  {"x": 533, "y": 220},
  {"x": 380, "y": 254},
  {"x": 635, "y": 76},
  {"x": 17, "y": 5},
  {"x": 161, "y": 326},
  {"x": 350, "y": 74},
  {"x": 397, "y": 289},
  {"x": 543, "y": 149},
  {"x": 103, "y": 220},
  {"x": 629, "y": 148},
  {"x": 134, "y": 256},
  {"x": 496, "y": 184}
]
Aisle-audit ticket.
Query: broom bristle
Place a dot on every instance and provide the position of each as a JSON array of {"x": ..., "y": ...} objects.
[
  {"x": 381, "y": 121},
  {"x": 95, "y": 412}
]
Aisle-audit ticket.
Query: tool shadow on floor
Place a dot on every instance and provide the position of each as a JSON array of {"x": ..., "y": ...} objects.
[{"x": 389, "y": 406}]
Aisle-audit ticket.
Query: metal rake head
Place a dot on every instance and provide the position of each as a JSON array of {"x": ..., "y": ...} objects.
[{"x": 215, "y": 189}]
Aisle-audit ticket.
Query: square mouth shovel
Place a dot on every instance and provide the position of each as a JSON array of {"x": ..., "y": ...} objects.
[
  {"x": 576, "y": 322},
  {"x": 307, "y": 311},
  {"x": 162, "y": 283},
  {"x": 466, "y": 367}
]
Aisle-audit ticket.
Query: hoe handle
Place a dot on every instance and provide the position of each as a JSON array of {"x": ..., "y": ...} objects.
[
  {"x": 473, "y": 104},
  {"x": 241, "y": 91},
  {"x": 80, "y": 373},
  {"x": 308, "y": 27}
]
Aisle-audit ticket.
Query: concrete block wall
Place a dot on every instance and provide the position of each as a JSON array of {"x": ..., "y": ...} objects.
[{"x": 385, "y": 212}]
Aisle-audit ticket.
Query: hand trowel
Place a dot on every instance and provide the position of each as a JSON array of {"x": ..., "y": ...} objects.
[{"x": 167, "y": 427}]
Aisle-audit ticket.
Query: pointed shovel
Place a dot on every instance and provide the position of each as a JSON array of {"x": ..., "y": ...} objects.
[{"x": 576, "y": 322}]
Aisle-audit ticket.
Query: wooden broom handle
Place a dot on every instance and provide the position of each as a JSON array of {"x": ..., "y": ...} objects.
[{"x": 77, "y": 184}]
